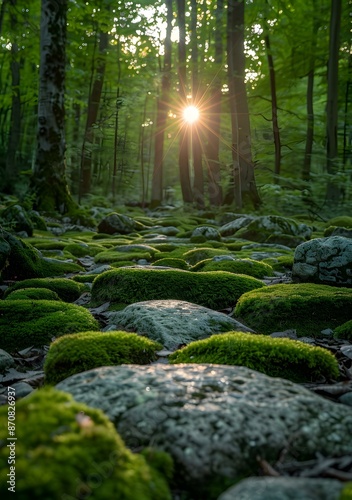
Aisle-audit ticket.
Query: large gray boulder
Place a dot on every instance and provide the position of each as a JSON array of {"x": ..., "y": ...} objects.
[
  {"x": 173, "y": 322},
  {"x": 324, "y": 260},
  {"x": 214, "y": 419},
  {"x": 284, "y": 488}
]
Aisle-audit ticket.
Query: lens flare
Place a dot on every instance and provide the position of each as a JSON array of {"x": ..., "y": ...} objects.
[{"x": 190, "y": 114}]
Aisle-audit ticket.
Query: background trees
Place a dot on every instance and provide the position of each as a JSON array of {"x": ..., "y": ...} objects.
[{"x": 132, "y": 66}]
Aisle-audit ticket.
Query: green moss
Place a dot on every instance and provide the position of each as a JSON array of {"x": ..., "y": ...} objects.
[
  {"x": 281, "y": 264},
  {"x": 25, "y": 323},
  {"x": 84, "y": 278},
  {"x": 67, "y": 289},
  {"x": 77, "y": 353},
  {"x": 344, "y": 331},
  {"x": 277, "y": 357},
  {"x": 346, "y": 493},
  {"x": 215, "y": 290},
  {"x": 66, "y": 450},
  {"x": 308, "y": 308},
  {"x": 32, "y": 294},
  {"x": 341, "y": 221},
  {"x": 113, "y": 256},
  {"x": 176, "y": 263},
  {"x": 81, "y": 249},
  {"x": 25, "y": 261},
  {"x": 198, "y": 254},
  {"x": 47, "y": 243},
  {"x": 240, "y": 266}
]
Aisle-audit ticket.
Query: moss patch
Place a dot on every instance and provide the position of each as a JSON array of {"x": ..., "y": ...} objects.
[
  {"x": 32, "y": 294},
  {"x": 344, "y": 331},
  {"x": 25, "y": 323},
  {"x": 249, "y": 267},
  {"x": 77, "y": 353},
  {"x": 68, "y": 290},
  {"x": 66, "y": 450},
  {"x": 306, "y": 307},
  {"x": 215, "y": 290},
  {"x": 114, "y": 256},
  {"x": 176, "y": 263},
  {"x": 276, "y": 357},
  {"x": 198, "y": 254}
]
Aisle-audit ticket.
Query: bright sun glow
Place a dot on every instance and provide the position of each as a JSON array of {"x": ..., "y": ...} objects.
[{"x": 190, "y": 114}]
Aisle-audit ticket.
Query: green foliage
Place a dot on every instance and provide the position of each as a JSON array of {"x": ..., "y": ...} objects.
[
  {"x": 215, "y": 290},
  {"x": 83, "y": 351},
  {"x": 32, "y": 294},
  {"x": 249, "y": 267},
  {"x": 67, "y": 289},
  {"x": 277, "y": 357},
  {"x": 306, "y": 307},
  {"x": 344, "y": 331},
  {"x": 25, "y": 323},
  {"x": 169, "y": 262},
  {"x": 346, "y": 493},
  {"x": 67, "y": 450}
]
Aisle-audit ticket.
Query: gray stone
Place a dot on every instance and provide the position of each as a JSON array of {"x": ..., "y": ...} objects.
[
  {"x": 167, "y": 231},
  {"x": 232, "y": 227},
  {"x": 22, "y": 389},
  {"x": 220, "y": 258},
  {"x": 284, "y": 488},
  {"x": 214, "y": 419},
  {"x": 324, "y": 260},
  {"x": 118, "y": 223},
  {"x": 100, "y": 269},
  {"x": 346, "y": 399},
  {"x": 342, "y": 231},
  {"x": 6, "y": 361},
  {"x": 173, "y": 322},
  {"x": 205, "y": 233}
]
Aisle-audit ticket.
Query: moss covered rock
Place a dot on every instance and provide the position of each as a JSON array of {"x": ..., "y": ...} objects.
[
  {"x": 340, "y": 221},
  {"x": 25, "y": 323},
  {"x": 249, "y": 267},
  {"x": 17, "y": 218},
  {"x": 114, "y": 256},
  {"x": 277, "y": 357},
  {"x": 83, "y": 351},
  {"x": 68, "y": 290},
  {"x": 198, "y": 254},
  {"x": 32, "y": 294},
  {"x": 215, "y": 290},
  {"x": 344, "y": 331},
  {"x": 118, "y": 223},
  {"x": 66, "y": 450},
  {"x": 169, "y": 262},
  {"x": 24, "y": 261},
  {"x": 308, "y": 308}
]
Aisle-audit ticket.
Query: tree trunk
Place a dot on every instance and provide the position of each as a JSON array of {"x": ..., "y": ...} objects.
[
  {"x": 274, "y": 117},
  {"x": 49, "y": 177},
  {"x": 92, "y": 116},
  {"x": 198, "y": 182},
  {"x": 214, "y": 114},
  {"x": 15, "y": 126},
  {"x": 161, "y": 115},
  {"x": 183, "y": 159},
  {"x": 333, "y": 192}
]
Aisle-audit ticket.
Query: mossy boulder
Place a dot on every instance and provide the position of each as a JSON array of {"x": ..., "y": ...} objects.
[
  {"x": 17, "y": 219},
  {"x": 344, "y": 331},
  {"x": 67, "y": 450},
  {"x": 83, "y": 351},
  {"x": 198, "y": 254},
  {"x": 340, "y": 221},
  {"x": 204, "y": 233},
  {"x": 81, "y": 249},
  {"x": 276, "y": 357},
  {"x": 216, "y": 290},
  {"x": 169, "y": 262},
  {"x": 308, "y": 308},
  {"x": 67, "y": 289},
  {"x": 249, "y": 267},
  {"x": 25, "y": 323},
  {"x": 32, "y": 294},
  {"x": 24, "y": 261},
  {"x": 114, "y": 256},
  {"x": 119, "y": 223}
]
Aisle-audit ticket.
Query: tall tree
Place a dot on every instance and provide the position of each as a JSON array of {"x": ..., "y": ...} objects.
[
  {"x": 49, "y": 177},
  {"x": 161, "y": 116},
  {"x": 243, "y": 166},
  {"x": 184, "y": 133},
  {"x": 333, "y": 191}
]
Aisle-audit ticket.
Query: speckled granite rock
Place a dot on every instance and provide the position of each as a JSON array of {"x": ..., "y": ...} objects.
[
  {"x": 214, "y": 419},
  {"x": 173, "y": 322},
  {"x": 324, "y": 260},
  {"x": 284, "y": 488}
]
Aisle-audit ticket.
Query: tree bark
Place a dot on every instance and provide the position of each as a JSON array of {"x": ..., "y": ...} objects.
[
  {"x": 49, "y": 178},
  {"x": 92, "y": 116},
  {"x": 161, "y": 116}
]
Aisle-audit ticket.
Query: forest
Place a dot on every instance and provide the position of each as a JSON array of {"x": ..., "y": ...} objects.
[{"x": 176, "y": 249}]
